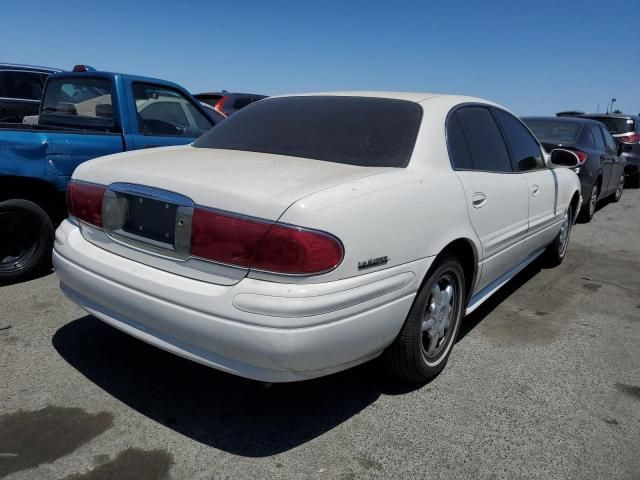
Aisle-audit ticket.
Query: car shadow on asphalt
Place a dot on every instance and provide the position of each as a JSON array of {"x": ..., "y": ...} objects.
[
  {"x": 471, "y": 321},
  {"x": 236, "y": 415},
  {"x": 230, "y": 413}
]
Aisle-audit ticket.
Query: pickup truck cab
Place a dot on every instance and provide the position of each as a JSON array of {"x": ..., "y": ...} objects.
[{"x": 84, "y": 114}]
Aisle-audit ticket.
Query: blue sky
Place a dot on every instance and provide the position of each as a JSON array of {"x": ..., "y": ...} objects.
[{"x": 535, "y": 57}]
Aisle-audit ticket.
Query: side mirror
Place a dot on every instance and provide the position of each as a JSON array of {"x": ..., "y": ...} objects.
[{"x": 564, "y": 158}]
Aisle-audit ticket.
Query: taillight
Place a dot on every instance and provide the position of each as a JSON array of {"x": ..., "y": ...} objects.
[
  {"x": 225, "y": 238},
  {"x": 294, "y": 250},
  {"x": 259, "y": 245},
  {"x": 629, "y": 138},
  {"x": 219, "y": 104},
  {"x": 582, "y": 157},
  {"x": 84, "y": 201}
]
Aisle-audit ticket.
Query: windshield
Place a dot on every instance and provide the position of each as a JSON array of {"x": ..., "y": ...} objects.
[
  {"x": 617, "y": 125},
  {"x": 372, "y": 132},
  {"x": 550, "y": 131}
]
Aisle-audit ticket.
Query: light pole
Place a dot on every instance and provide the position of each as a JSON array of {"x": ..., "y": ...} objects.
[{"x": 612, "y": 101}]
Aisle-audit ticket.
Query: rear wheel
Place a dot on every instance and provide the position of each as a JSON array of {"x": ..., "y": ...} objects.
[
  {"x": 589, "y": 208},
  {"x": 557, "y": 249},
  {"x": 26, "y": 239},
  {"x": 619, "y": 189},
  {"x": 423, "y": 346}
]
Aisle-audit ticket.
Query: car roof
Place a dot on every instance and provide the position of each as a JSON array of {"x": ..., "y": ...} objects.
[
  {"x": 417, "y": 97},
  {"x": 17, "y": 66},
  {"x": 110, "y": 75},
  {"x": 574, "y": 120},
  {"x": 227, "y": 94},
  {"x": 610, "y": 115}
]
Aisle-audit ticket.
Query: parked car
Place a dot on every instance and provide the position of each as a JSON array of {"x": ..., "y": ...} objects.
[
  {"x": 84, "y": 115},
  {"x": 21, "y": 90},
  {"x": 352, "y": 226},
  {"x": 626, "y": 130},
  {"x": 228, "y": 103},
  {"x": 601, "y": 169}
]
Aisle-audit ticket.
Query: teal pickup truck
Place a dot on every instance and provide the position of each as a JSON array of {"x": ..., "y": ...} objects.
[{"x": 84, "y": 114}]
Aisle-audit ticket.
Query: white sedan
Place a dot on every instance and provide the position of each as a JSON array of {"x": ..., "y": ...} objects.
[{"x": 307, "y": 234}]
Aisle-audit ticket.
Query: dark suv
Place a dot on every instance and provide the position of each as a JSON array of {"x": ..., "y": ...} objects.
[
  {"x": 21, "y": 90},
  {"x": 601, "y": 169},
  {"x": 227, "y": 103},
  {"x": 626, "y": 130}
]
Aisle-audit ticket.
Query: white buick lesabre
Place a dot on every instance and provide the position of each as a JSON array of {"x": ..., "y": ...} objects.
[{"x": 307, "y": 234}]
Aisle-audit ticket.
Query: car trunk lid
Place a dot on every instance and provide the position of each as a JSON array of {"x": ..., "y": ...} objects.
[{"x": 151, "y": 196}]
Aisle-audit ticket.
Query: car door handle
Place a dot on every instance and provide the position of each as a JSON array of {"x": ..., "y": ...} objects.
[
  {"x": 535, "y": 190},
  {"x": 478, "y": 200}
]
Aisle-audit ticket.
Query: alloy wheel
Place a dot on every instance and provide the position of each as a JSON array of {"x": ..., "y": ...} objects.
[{"x": 437, "y": 320}]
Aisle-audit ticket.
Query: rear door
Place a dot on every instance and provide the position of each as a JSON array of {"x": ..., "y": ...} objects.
[
  {"x": 497, "y": 198},
  {"x": 611, "y": 153},
  {"x": 542, "y": 184},
  {"x": 164, "y": 116},
  {"x": 605, "y": 159}
]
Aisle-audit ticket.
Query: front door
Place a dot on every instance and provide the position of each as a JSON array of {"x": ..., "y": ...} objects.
[{"x": 164, "y": 116}]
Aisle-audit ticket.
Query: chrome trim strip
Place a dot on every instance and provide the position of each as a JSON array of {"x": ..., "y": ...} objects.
[{"x": 480, "y": 297}]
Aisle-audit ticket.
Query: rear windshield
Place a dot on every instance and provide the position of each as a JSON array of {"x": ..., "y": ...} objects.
[
  {"x": 554, "y": 132},
  {"x": 78, "y": 101},
  {"x": 372, "y": 132},
  {"x": 617, "y": 125}
]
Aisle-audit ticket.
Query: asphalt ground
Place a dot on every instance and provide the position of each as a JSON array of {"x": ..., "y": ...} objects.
[{"x": 544, "y": 382}]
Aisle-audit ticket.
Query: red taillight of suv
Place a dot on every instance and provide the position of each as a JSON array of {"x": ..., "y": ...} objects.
[
  {"x": 249, "y": 243},
  {"x": 630, "y": 138},
  {"x": 219, "y": 104},
  {"x": 84, "y": 201}
]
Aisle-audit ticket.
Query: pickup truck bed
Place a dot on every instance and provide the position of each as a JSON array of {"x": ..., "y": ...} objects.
[{"x": 83, "y": 115}]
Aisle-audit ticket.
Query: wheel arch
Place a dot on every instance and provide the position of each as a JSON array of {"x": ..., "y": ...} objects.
[
  {"x": 467, "y": 253},
  {"x": 35, "y": 190}
]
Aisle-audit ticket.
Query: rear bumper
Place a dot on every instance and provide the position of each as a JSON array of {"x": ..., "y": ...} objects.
[{"x": 262, "y": 330}]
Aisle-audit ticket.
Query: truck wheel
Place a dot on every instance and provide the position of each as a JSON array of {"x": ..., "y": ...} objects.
[
  {"x": 421, "y": 349},
  {"x": 26, "y": 240}
]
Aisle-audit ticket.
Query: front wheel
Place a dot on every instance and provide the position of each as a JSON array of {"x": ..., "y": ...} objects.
[
  {"x": 421, "y": 349},
  {"x": 619, "y": 189},
  {"x": 557, "y": 249},
  {"x": 26, "y": 240}
]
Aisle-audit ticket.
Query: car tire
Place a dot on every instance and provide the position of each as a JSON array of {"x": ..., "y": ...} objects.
[
  {"x": 633, "y": 181},
  {"x": 557, "y": 250},
  {"x": 619, "y": 189},
  {"x": 27, "y": 239},
  {"x": 589, "y": 208},
  {"x": 422, "y": 348}
]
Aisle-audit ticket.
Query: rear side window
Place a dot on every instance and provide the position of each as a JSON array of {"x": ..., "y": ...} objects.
[
  {"x": 78, "y": 101},
  {"x": 372, "y": 132},
  {"x": 458, "y": 148},
  {"x": 596, "y": 136},
  {"x": 21, "y": 85},
  {"x": 525, "y": 151},
  {"x": 486, "y": 145}
]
